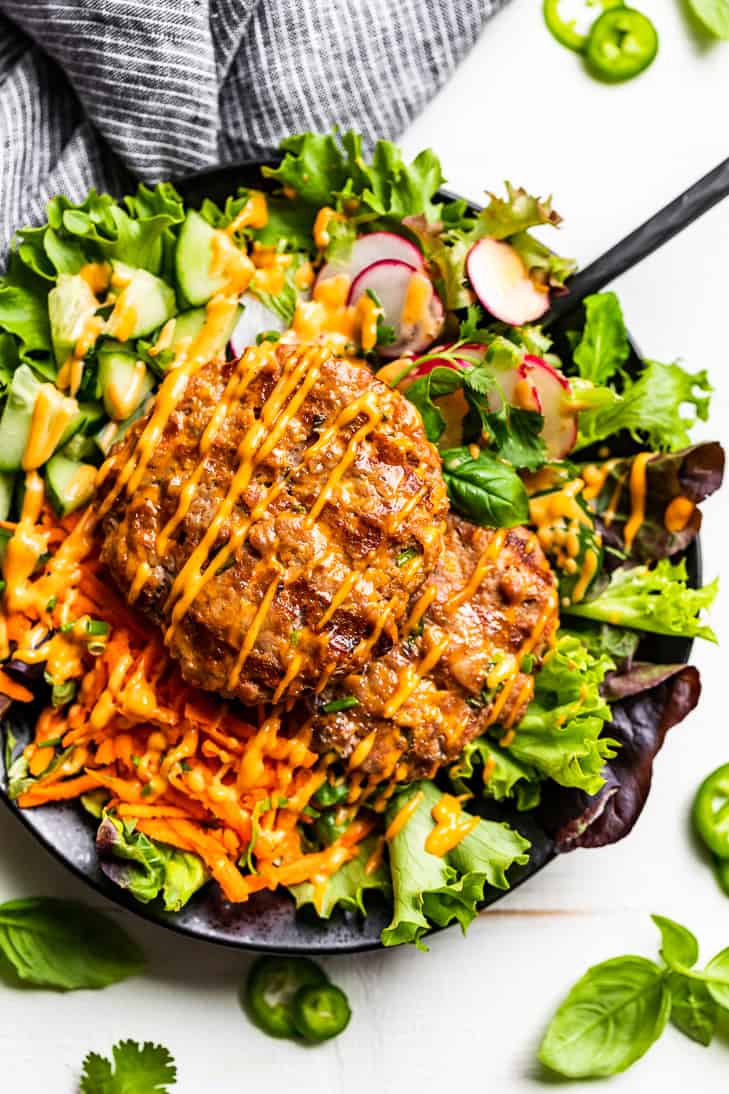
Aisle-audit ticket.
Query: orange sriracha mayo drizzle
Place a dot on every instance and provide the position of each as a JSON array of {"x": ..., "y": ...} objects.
[
  {"x": 638, "y": 483},
  {"x": 417, "y": 300},
  {"x": 403, "y": 815},
  {"x": 328, "y": 316},
  {"x": 678, "y": 513},
  {"x": 451, "y": 826},
  {"x": 52, "y": 414}
]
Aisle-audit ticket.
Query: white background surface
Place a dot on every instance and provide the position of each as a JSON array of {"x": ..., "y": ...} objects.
[{"x": 469, "y": 1015}]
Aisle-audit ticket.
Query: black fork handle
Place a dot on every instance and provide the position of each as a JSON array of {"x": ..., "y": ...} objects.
[{"x": 656, "y": 231}]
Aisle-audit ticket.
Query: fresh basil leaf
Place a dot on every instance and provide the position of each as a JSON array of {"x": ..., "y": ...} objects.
[
  {"x": 61, "y": 944},
  {"x": 718, "y": 984},
  {"x": 484, "y": 489},
  {"x": 693, "y": 1011},
  {"x": 604, "y": 345},
  {"x": 610, "y": 1018},
  {"x": 678, "y": 945}
]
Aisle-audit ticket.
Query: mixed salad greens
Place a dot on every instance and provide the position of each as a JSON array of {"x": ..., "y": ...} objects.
[{"x": 566, "y": 433}]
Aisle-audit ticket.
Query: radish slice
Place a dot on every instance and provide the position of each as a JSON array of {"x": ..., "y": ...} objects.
[
  {"x": 517, "y": 387},
  {"x": 560, "y": 419},
  {"x": 502, "y": 283},
  {"x": 409, "y": 303},
  {"x": 366, "y": 250},
  {"x": 256, "y": 317}
]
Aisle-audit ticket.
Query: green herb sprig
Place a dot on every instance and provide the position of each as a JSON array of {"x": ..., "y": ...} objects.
[{"x": 620, "y": 1007}]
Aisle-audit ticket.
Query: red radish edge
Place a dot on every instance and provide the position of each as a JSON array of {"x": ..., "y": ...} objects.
[
  {"x": 502, "y": 284},
  {"x": 423, "y": 333},
  {"x": 370, "y": 249}
]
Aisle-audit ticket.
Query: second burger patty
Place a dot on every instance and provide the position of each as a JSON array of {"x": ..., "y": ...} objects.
[{"x": 289, "y": 511}]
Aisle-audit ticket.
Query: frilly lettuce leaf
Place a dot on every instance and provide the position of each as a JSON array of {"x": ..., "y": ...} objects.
[
  {"x": 347, "y": 887},
  {"x": 560, "y": 733},
  {"x": 331, "y": 170},
  {"x": 484, "y": 765},
  {"x": 658, "y": 409},
  {"x": 24, "y": 318},
  {"x": 146, "y": 868},
  {"x": 432, "y": 891},
  {"x": 603, "y": 347},
  {"x": 657, "y": 600}
]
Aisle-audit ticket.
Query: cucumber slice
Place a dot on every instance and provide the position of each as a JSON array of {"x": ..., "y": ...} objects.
[
  {"x": 17, "y": 417},
  {"x": 70, "y": 484},
  {"x": 193, "y": 259},
  {"x": 188, "y": 324},
  {"x": 112, "y": 432},
  {"x": 7, "y": 486},
  {"x": 71, "y": 303},
  {"x": 144, "y": 303},
  {"x": 81, "y": 448},
  {"x": 122, "y": 389}
]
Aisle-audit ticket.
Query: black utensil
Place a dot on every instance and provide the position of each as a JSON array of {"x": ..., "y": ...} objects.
[
  {"x": 641, "y": 242},
  {"x": 268, "y": 920}
]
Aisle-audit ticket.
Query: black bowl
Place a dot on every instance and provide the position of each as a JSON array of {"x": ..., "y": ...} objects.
[{"x": 268, "y": 921}]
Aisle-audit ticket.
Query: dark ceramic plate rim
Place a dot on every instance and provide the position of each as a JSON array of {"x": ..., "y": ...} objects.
[{"x": 269, "y": 921}]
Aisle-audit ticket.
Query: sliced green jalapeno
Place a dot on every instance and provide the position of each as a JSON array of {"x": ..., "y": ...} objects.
[
  {"x": 711, "y": 812},
  {"x": 320, "y": 1011},
  {"x": 272, "y": 984},
  {"x": 621, "y": 44},
  {"x": 565, "y": 28}
]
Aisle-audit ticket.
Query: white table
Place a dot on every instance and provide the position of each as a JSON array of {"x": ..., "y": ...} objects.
[{"x": 470, "y": 1014}]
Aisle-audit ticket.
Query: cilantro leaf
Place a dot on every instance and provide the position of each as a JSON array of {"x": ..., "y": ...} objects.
[{"x": 137, "y": 1069}]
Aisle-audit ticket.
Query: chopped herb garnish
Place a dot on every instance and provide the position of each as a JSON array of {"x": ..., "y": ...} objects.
[
  {"x": 66, "y": 627},
  {"x": 527, "y": 662},
  {"x": 50, "y": 742},
  {"x": 136, "y": 760},
  {"x": 268, "y": 336},
  {"x": 146, "y": 790},
  {"x": 184, "y": 766},
  {"x": 345, "y": 703},
  {"x": 97, "y": 627},
  {"x": 51, "y": 603},
  {"x": 294, "y": 637},
  {"x": 406, "y": 555},
  {"x": 331, "y": 794},
  {"x": 2, "y": 586}
]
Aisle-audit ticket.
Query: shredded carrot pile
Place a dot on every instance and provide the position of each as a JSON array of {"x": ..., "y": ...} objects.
[{"x": 185, "y": 766}]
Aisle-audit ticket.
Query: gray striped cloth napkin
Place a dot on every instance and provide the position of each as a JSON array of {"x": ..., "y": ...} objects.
[{"x": 92, "y": 91}]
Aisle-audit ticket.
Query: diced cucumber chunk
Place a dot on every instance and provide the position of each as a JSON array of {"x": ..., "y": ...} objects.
[
  {"x": 194, "y": 259},
  {"x": 188, "y": 324},
  {"x": 17, "y": 417},
  {"x": 70, "y": 484},
  {"x": 89, "y": 414},
  {"x": 123, "y": 383},
  {"x": 71, "y": 303},
  {"x": 144, "y": 303},
  {"x": 81, "y": 448},
  {"x": 112, "y": 432},
  {"x": 7, "y": 487}
]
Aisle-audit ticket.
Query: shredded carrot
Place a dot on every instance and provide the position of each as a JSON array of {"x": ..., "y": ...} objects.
[{"x": 62, "y": 791}]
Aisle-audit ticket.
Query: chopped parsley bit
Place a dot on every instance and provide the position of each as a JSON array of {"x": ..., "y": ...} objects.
[
  {"x": 136, "y": 760},
  {"x": 66, "y": 627},
  {"x": 406, "y": 555},
  {"x": 226, "y": 565},
  {"x": 51, "y": 603},
  {"x": 146, "y": 790},
  {"x": 97, "y": 627},
  {"x": 294, "y": 637},
  {"x": 475, "y": 702},
  {"x": 527, "y": 662},
  {"x": 345, "y": 703},
  {"x": 268, "y": 336},
  {"x": 184, "y": 765},
  {"x": 2, "y": 586}
]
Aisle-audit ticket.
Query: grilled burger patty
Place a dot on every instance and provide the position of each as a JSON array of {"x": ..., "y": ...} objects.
[
  {"x": 490, "y": 601},
  {"x": 287, "y": 515}
]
